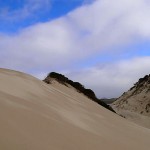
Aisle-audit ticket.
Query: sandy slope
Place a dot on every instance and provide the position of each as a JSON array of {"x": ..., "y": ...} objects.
[
  {"x": 135, "y": 103},
  {"x": 37, "y": 116}
]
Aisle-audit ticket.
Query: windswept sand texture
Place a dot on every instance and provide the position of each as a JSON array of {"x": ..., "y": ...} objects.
[{"x": 37, "y": 116}]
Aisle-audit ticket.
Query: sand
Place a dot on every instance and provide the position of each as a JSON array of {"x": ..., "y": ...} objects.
[
  {"x": 35, "y": 116},
  {"x": 134, "y": 104}
]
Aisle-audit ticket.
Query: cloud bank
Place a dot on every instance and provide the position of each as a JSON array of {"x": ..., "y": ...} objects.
[{"x": 93, "y": 29}]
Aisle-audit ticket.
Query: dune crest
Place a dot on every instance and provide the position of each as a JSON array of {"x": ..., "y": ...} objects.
[{"x": 77, "y": 86}]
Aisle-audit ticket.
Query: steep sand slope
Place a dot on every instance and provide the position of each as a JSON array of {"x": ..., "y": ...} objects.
[
  {"x": 35, "y": 116},
  {"x": 135, "y": 103},
  {"x": 77, "y": 86}
]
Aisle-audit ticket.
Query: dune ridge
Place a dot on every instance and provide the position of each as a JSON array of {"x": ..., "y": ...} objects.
[{"x": 78, "y": 86}]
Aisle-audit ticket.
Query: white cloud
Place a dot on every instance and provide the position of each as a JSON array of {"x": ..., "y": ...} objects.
[
  {"x": 88, "y": 30},
  {"x": 107, "y": 23},
  {"x": 49, "y": 44},
  {"x": 111, "y": 80}
]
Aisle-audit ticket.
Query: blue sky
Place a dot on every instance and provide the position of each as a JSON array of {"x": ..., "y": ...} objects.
[
  {"x": 53, "y": 9},
  {"x": 103, "y": 44}
]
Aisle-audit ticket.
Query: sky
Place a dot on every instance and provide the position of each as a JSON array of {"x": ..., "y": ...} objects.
[{"x": 103, "y": 44}]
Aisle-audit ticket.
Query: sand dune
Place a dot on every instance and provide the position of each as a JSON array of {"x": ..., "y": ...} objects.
[
  {"x": 35, "y": 116},
  {"x": 135, "y": 103}
]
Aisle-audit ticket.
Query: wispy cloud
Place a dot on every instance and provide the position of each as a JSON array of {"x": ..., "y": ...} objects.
[{"x": 28, "y": 9}]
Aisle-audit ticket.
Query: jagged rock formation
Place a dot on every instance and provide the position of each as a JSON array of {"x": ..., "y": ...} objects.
[
  {"x": 136, "y": 101},
  {"x": 78, "y": 86}
]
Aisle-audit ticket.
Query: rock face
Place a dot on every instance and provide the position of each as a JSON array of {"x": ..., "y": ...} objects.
[
  {"x": 135, "y": 103},
  {"x": 78, "y": 86}
]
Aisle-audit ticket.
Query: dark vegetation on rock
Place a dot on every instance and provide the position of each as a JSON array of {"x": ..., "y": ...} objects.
[{"x": 78, "y": 86}]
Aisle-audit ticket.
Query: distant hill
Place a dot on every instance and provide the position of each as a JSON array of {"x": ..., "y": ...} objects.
[
  {"x": 78, "y": 86},
  {"x": 135, "y": 103},
  {"x": 108, "y": 100}
]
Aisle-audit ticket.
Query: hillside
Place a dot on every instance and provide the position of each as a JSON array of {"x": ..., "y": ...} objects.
[
  {"x": 108, "y": 101},
  {"x": 39, "y": 116},
  {"x": 78, "y": 86},
  {"x": 135, "y": 103}
]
